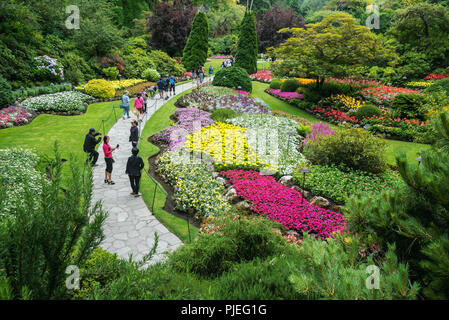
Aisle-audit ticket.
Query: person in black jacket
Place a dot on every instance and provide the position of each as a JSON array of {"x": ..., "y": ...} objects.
[
  {"x": 90, "y": 143},
  {"x": 133, "y": 167},
  {"x": 134, "y": 136}
]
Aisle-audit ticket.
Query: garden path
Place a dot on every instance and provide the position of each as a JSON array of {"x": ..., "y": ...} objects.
[{"x": 130, "y": 226}]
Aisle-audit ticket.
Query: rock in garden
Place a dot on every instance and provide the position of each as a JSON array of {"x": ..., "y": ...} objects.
[
  {"x": 286, "y": 181},
  {"x": 243, "y": 205},
  {"x": 304, "y": 193},
  {"x": 220, "y": 180},
  {"x": 232, "y": 196},
  {"x": 320, "y": 202},
  {"x": 215, "y": 174}
]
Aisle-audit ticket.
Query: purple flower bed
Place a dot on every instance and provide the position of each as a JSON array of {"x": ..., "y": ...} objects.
[
  {"x": 319, "y": 129},
  {"x": 286, "y": 95},
  {"x": 14, "y": 116},
  {"x": 189, "y": 121}
]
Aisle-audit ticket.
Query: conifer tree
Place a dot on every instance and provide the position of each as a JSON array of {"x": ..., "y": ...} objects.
[
  {"x": 415, "y": 217},
  {"x": 195, "y": 51},
  {"x": 246, "y": 54}
]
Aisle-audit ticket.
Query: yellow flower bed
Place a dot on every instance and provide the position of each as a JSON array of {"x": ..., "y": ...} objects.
[
  {"x": 347, "y": 101},
  {"x": 302, "y": 80},
  {"x": 419, "y": 84},
  {"x": 99, "y": 88},
  {"x": 118, "y": 84},
  {"x": 226, "y": 144},
  {"x": 434, "y": 112}
]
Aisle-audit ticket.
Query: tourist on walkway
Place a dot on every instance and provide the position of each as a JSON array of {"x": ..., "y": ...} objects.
[
  {"x": 172, "y": 83},
  {"x": 125, "y": 104},
  {"x": 90, "y": 142},
  {"x": 160, "y": 87},
  {"x": 201, "y": 73},
  {"x": 152, "y": 91},
  {"x": 138, "y": 104},
  {"x": 134, "y": 136},
  {"x": 108, "y": 159},
  {"x": 166, "y": 83},
  {"x": 133, "y": 170},
  {"x": 144, "y": 96},
  {"x": 211, "y": 71}
]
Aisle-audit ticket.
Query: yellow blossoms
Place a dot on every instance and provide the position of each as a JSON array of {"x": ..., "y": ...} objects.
[{"x": 302, "y": 80}]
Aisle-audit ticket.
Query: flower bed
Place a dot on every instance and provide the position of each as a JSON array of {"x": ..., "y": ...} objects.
[
  {"x": 356, "y": 82},
  {"x": 286, "y": 96},
  {"x": 15, "y": 116},
  {"x": 220, "y": 57},
  {"x": 332, "y": 115},
  {"x": 285, "y": 205},
  {"x": 134, "y": 90},
  {"x": 119, "y": 84},
  {"x": 436, "y": 76},
  {"x": 317, "y": 130},
  {"x": 194, "y": 186},
  {"x": 59, "y": 102},
  {"x": 333, "y": 183},
  {"x": 383, "y": 95},
  {"x": 262, "y": 76},
  {"x": 419, "y": 84}
]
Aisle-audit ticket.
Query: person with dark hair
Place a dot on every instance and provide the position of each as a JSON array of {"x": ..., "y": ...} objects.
[
  {"x": 144, "y": 96},
  {"x": 90, "y": 142},
  {"x": 166, "y": 83},
  {"x": 108, "y": 159},
  {"x": 160, "y": 87},
  {"x": 152, "y": 91},
  {"x": 172, "y": 83},
  {"x": 134, "y": 136},
  {"x": 138, "y": 104},
  {"x": 134, "y": 167},
  {"x": 125, "y": 104}
]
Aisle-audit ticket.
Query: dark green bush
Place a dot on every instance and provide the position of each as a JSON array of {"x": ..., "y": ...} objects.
[
  {"x": 367, "y": 111},
  {"x": 223, "y": 114},
  {"x": 330, "y": 88},
  {"x": 275, "y": 84},
  {"x": 348, "y": 148},
  {"x": 233, "y": 77},
  {"x": 290, "y": 85},
  {"x": 409, "y": 105},
  {"x": 6, "y": 96},
  {"x": 301, "y": 104},
  {"x": 439, "y": 85},
  {"x": 238, "y": 240}
]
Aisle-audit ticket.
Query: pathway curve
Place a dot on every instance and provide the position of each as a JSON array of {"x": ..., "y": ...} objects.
[{"x": 130, "y": 226}]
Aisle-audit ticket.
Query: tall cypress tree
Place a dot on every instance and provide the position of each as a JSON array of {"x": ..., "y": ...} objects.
[
  {"x": 246, "y": 55},
  {"x": 195, "y": 51}
]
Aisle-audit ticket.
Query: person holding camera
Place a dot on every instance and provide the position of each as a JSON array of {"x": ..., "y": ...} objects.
[
  {"x": 90, "y": 142},
  {"x": 134, "y": 167},
  {"x": 134, "y": 136},
  {"x": 108, "y": 159}
]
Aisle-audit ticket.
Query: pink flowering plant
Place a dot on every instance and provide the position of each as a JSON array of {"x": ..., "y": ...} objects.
[
  {"x": 49, "y": 68},
  {"x": 262, "y": 76},
  {"x": 317, "y": 130},
  {"x": 14, "y": 116},
  {"x": 286, "y": 95},
  {"x": 285, "y": 205}
]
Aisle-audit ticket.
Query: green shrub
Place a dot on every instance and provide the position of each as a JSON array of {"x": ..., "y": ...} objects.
[
  {"x": 238, "y": 240},
  {"x": 195, "y": 50},
  {"x": 99, "y": 88},
  {"x": 290, "y": 85},
  {"x": 409, "y": 105},
  {"x": 275, "y": 84},
  {"x": 233, "y": 77},
  {"x": 6, "y": 95},
  {"x": 165, "y": 65},
  {"x": 367, "y": 111},
  {"x": 246, "y": 53},
  {"x": 439, "y": 85},
  {"x": 221, "y": 115},
  {"x": 151, "y": 75},
  {"x": 301, "y": 104},
  {"x": 330, "y": 88},
  {"x": 111, "y": 73},
  {"x": 311, "y": 95},
  {"x": 351, "y": 148},
  {"x": 303, "y": 130}
]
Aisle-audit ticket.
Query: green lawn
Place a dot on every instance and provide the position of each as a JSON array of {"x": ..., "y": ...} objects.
[
  {"x": 161, "y": 120},
  {"x": 394, "y": 146},
  {"x": 215, "y": 63}
]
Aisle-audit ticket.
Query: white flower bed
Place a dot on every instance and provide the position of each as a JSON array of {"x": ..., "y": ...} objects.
[{"x": 59, "y": 102}]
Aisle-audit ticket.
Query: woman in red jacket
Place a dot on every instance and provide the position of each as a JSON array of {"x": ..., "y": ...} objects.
[
  {"x": 138, "y": 104},
  {"x": 109, "y": 161}
]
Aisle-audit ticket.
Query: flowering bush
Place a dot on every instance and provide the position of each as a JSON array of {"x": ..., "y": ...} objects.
[
  {"x": 317, "y": 130},
  {"x": 332, "y": 115},
  {"x": 49, "y": 67},
  {"x": 18, "y": 170},
  {"x": 286, "y": 95},
  {"x": 99, "y": 88},
  {"x": 220, "y": 57},
  {"x": 344, "y": 103},
  {"x": 333, "y": 183},
  {"x": 419, "y": 84},
  {"x": 356, "y": 82},
  {"x": 384, "y": 94},
  {"x": 303, "y": 81},
  {"x": 436, "y": 76},
  {"x": 194, "y": 187},
  {"x": 262, "y": 76},
  {"x": 60, "y": 102},
  {"x": 14, "y": 116},
  {"x": 285, "y": 205}
]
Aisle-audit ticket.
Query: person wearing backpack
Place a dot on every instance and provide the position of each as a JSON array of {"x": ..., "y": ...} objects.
[
  {"x": 172, "y": 81},
  {"x": 160, "y": 87},
  {"x": 166, "y": 86}
]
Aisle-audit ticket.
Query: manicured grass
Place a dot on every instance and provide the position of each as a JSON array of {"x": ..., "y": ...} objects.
[
  {"x": 161, "y": 120},
  {"x": 215, "y": 63},
  {"x": 393, "y": 146}
]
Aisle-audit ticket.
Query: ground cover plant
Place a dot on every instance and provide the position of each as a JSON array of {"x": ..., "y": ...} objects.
[
  {"x": 14, "y": 116},
  {"x": 58, "y": 102}
]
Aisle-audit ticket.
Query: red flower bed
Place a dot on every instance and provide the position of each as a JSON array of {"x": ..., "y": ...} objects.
[
  {"x": 262, "y": 75},
  {"x": 436, "y": 76},
  {"x": 384, "y": 94},
  {"x": 285, "y": 205},
  {"x": 333, "y": 115}
]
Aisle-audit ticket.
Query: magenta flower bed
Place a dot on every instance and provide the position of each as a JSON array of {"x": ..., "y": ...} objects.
[
  {"x": 14, "y": 116},
  {"x": 220, "y": 57},
  {"x": 283, "y": 204},
  {"x": 317, "y": 130},
  {"x": 246, "y": 93},
  {"x": 286, "y": 95}
]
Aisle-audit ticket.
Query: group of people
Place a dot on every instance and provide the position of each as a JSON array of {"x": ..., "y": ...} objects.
[
  {"x": 140, "y": 104},
  {"x": 166, "y": 86},
  {"x": 134, "y": 165},
  {"x": 227, "y": 63}
]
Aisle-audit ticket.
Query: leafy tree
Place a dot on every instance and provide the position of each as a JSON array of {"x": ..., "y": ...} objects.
[
  {"x": 195, "y": 51},
  {"x": 170, "y": 25},
  {"x": 6, "y": 97},
  {"x": 222, "y": 21},
  {"x": 48, "y": 232},
  {"x": 133, "y": 9},
  {"x": 246, "y": 55},
  {"x": 424, "y": 27},
  {"x": 273, "y": 20},
  {"x": 334, "y": 47},
  {"x": 415, "y": 217}
]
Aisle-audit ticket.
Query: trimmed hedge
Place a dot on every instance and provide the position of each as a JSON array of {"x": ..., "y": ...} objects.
[
  {"x": 233, "y": 77},
  {"x": 367, "y": 111},
  {"x": 290, "y": 85},
  {"x": 275, "y": 84},
  {"x": 99, "y": 88}
]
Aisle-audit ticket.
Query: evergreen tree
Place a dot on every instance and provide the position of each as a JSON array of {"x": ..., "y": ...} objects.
[
  {"x": 415, "y": 218},
  {"x": 246, "y": 55},
  {"x": 195, "y": 51}
]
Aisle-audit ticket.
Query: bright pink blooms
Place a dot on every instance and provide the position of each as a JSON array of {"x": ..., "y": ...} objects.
[
  {"x": 246, "y": 93},
  {"x": 220, "y": 57},
  {"x": 319, "y": 129},
  {"x": 262, "y": 75},
  {"x": 283, "y": 204},
  {"x": 286, "y": 95},
  {"x": 436, "y": 76},
  {"x": 14, "y": 116}
]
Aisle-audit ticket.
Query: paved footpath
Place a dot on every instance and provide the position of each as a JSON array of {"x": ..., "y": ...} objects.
[{"x": 130, "y": 226}]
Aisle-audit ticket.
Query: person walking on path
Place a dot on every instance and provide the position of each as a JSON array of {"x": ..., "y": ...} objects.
[
  {"x": 90, "y": 143},
  {"x": 201, "y": 74},
  {"x": 125, "y": 104},
  {"x": 144, "y": 96},
  {"x": 172, "y": 82},
  {"x": 160, "y": 86},
  {"x": 134, "y": 167},
  {"x": 211, "y": 71},
  {"x": 134, "y": 136},
  {"x": 108, "y": 159},
  {"x": 166, "y": 83},
  {"x": 138, "y": 104},
  {"x": 152, "y": 91}
]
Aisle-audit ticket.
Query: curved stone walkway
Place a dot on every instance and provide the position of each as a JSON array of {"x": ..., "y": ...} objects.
[{"x": 130, "y": 226}]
